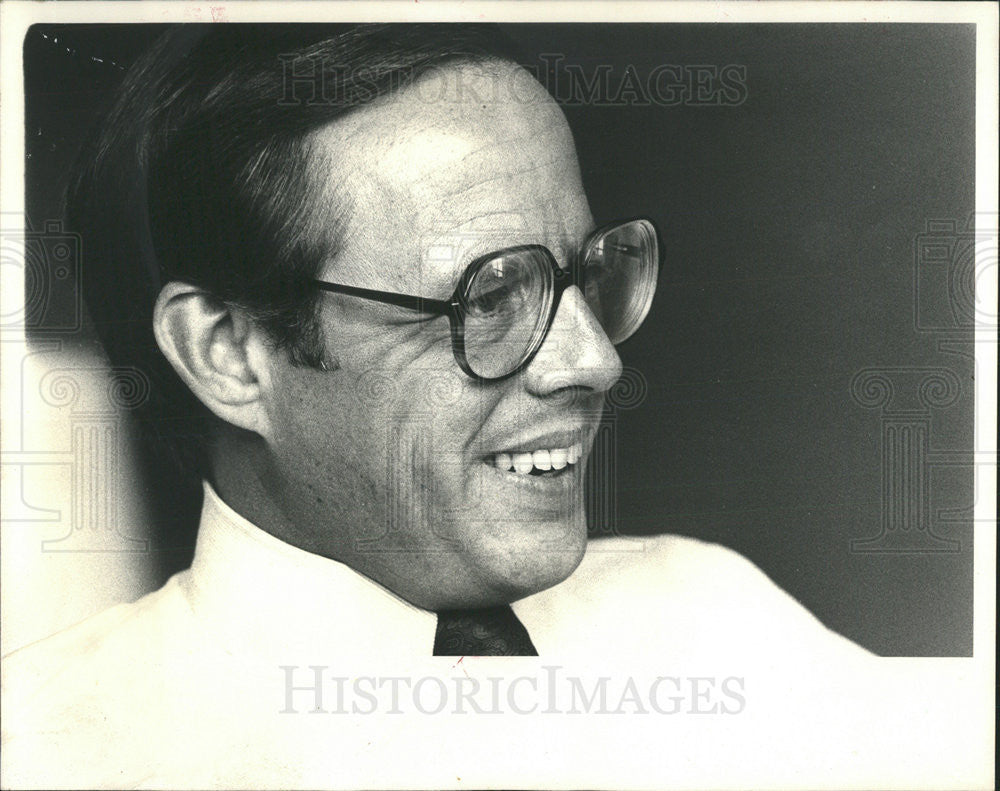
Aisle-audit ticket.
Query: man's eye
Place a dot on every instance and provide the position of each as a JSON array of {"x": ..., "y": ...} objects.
[
  {"x": 610, "y": 258},
  {"x": 497, "y": 294},
  {"x": 596, "y": 270},
  {"x": 494, "y": 301}
]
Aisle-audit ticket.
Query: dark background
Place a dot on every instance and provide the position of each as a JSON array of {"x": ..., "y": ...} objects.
[{"x": 792, "y": 224}]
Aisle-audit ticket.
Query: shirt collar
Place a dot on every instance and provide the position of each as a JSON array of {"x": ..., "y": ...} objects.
[{"x": 260, "y": 597}]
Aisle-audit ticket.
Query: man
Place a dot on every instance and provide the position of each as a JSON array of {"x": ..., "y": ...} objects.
[{"x": 385, "y": 321}]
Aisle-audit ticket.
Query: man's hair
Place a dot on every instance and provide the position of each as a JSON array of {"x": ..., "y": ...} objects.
[{"x": 199, "y": 173}]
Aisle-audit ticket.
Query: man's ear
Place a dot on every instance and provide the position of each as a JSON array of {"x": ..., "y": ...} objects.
[{"x": 218, "y": 352}]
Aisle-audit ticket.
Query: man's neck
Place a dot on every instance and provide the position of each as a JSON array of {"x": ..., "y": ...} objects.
[{"x": 243, "y": 479}]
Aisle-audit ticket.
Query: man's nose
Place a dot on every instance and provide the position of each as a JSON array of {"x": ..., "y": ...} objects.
[{"x": 577, "y": 353}]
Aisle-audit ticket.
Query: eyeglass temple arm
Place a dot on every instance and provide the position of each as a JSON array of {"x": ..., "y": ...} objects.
[{"x": 421, "y": 304}]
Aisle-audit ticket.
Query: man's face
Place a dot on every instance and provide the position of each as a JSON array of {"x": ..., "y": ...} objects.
[{"x": 392, "y": 460}]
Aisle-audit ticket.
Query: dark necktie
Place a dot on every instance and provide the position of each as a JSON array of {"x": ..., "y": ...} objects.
[{"x": 493, "y": 631}]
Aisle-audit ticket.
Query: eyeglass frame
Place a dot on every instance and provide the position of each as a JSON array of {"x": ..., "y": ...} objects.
[{"x": 454, "y": 309}]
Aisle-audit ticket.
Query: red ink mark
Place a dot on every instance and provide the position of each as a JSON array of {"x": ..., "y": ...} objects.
[
  {"x": 218, "y": 13},
  {"x": 459, "y": 662}
]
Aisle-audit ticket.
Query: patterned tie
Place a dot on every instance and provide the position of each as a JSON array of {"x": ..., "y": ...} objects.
[{"x": 493, "y": 631}]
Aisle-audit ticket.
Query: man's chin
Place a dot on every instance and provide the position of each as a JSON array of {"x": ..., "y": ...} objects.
[{"x": 535, "y": 565}]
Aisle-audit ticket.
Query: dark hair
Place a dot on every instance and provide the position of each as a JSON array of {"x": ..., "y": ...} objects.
[{"x": 199, "y": 173}]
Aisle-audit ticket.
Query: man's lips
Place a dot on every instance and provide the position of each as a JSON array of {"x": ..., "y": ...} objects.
[{"x": 529, "y": 443}]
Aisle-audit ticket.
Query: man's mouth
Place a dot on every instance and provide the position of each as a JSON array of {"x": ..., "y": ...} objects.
[{"x": 546, "y": 462}]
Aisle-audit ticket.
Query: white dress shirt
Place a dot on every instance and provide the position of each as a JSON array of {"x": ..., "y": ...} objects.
[{"x": 267, "y": 666}]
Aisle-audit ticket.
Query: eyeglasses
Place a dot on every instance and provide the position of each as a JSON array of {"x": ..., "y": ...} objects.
[{"x": 505, "y": 303}]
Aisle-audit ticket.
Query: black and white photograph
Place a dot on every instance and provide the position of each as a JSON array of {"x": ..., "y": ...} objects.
[{"x": 498, "y": 395}]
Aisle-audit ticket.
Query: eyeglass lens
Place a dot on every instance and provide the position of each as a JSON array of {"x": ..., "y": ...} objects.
[
  {"x": 508, "y": 300},
  {"x": 506, "y": 311},
  {"x": 620, "y": 277}
]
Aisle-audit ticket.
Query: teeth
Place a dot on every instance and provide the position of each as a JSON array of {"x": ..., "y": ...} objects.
[
  {"x": 574, "y": 453},
  {"x": 543, "y": 460},
  {"x": 540, "y": 458},
  {"x": 522, "y": 463}
]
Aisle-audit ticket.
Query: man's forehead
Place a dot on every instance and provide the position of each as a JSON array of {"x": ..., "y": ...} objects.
[
  {"x": 472, "y": 179},
  {"x": 437, "y": 158},
  {"x": 441, "y": 172}
]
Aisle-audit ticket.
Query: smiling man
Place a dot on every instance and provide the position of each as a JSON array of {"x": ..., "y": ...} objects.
[
  {"x": 360, "y": 269},
  {"x": 477, "y": 527},
  {"x": 441, "y": 488}
]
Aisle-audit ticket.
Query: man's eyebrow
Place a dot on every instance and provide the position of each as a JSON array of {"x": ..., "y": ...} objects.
[
  {"x": 495, "y": 241},
  {"x": 562, "y": 251}
]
